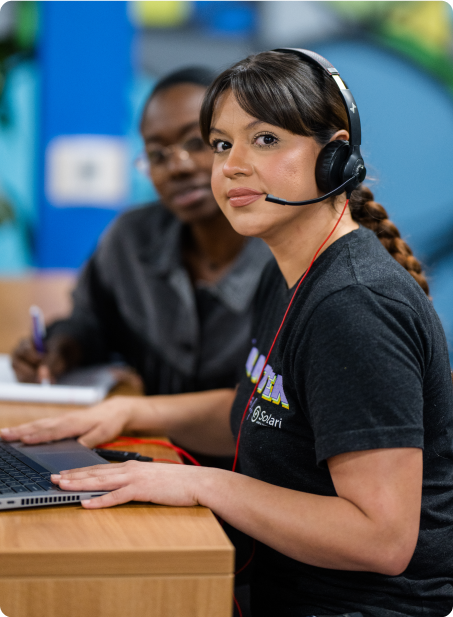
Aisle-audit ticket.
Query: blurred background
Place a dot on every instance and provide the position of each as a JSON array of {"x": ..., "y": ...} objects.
[{"x": 74, "y": 77}]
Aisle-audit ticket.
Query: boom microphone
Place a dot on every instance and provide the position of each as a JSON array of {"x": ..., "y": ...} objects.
[{"x": 337, "y": 191}]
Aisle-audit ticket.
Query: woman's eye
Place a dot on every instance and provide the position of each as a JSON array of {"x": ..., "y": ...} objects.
[
  {"x": 220, "y": 146},
  {"x": 266, "y": 140}
]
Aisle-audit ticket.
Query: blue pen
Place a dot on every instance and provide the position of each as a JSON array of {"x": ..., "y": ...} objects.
[
  {"x": 39, "y": 333},
  {"x": 38, "y": 328}
]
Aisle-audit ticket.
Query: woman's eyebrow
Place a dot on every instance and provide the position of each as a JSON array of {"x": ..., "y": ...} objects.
[
  {"x": 214, "y": 130},
  {"x": 251, "y": 125},
  {"x": 247, "y": 127}
]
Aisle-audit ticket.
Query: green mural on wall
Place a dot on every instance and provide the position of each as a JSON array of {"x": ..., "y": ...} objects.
[
  {"x": 421, "y": 30},
  {"x": 19, "y": 21},
  {"x": 18, "y": 33}
]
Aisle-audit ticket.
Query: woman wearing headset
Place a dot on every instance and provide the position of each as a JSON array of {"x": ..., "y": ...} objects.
[{"x": 346, "y": 445}]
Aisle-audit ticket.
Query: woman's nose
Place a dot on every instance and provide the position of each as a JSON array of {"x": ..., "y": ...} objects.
[{"x": 236, "y": 163}]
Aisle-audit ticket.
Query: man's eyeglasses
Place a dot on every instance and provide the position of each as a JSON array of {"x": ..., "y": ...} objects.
[{"x": 156, "y": 159}]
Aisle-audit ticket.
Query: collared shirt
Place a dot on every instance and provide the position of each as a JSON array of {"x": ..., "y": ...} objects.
[{"x": 135, "y": 298}]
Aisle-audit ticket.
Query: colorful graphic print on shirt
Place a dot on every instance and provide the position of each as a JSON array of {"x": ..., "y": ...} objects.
[{"x": 270, "y": 388}]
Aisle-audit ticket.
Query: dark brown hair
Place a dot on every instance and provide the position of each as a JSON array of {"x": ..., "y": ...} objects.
[{"x": 283, "y": 90}]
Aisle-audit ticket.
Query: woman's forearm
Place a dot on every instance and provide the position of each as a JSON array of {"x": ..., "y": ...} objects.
[
  {"x": 327, "y": 532},
  {"x": 199, "y": 421},
  {"x": 371, "y": 528}
]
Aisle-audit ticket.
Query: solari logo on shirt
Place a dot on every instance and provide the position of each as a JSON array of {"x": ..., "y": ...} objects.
[
  {"x": 271, "y": 385},
  {"x": 261, "y": 417}
]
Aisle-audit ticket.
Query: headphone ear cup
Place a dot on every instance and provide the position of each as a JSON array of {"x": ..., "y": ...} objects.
[{"x": 330, "y": 165}]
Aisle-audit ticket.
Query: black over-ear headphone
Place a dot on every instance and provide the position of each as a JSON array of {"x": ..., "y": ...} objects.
[{"x": 340, "y": 164}]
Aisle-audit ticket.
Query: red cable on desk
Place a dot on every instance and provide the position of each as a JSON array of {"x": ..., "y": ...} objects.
[{"x": 123, "y": 440}]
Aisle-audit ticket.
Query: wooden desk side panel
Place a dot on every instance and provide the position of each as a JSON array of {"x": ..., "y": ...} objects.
[
  {"x": 134, "y": 538},
  {"x": 203, "y": 560},
  {"x": 177, "y": 596}
]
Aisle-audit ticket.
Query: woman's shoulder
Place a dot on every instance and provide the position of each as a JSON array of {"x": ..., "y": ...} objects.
[
  {"x": 360, "y": 267},
  {"x": 377, "y": 269},
  {"x": 358, "y": 284}
]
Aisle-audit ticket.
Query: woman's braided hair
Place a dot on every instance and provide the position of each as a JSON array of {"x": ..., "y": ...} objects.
[
  {"x": 369, "y": 213},
  {"x": 283, "y": 90}
]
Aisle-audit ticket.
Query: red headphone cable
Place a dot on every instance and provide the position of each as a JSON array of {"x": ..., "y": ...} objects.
[
  {"x": 250, "y": 559},
  {"x": 279, "y": 330}
]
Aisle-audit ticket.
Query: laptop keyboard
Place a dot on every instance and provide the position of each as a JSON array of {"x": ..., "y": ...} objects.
[{"x": 19, "y": 474}]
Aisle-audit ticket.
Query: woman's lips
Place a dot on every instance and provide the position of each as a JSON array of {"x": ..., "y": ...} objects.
[
  {"x": 243, "y": 197},
  {"x": 190, "y": 196}
]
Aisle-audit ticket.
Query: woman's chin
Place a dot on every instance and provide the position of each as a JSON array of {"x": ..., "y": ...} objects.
[{"x": 249, "y": 226}]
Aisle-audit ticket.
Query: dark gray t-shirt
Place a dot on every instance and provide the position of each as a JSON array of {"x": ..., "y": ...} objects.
[{"x": 361, "y": 363}]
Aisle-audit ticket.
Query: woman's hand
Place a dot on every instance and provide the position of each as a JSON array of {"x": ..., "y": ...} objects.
[
  {"x": 196, "y": 420},
  {"x": 93, "y": 426},
  {"x": 166, "y": 484}
]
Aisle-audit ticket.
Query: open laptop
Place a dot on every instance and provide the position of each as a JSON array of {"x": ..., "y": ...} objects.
[{"x": 25, "y": 473}]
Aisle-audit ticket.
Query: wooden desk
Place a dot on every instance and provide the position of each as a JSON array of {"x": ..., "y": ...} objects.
[{"x": 136, "y": 560}]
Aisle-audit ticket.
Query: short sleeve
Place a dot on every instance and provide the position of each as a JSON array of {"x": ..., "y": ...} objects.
[{"x": 362, "y": 366}]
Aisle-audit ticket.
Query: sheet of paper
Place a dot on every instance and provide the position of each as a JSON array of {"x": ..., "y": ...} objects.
[{"x": 85, "y": 386}]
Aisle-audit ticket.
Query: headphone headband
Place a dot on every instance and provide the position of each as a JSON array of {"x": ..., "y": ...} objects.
[{"x": 355, "y": 132}]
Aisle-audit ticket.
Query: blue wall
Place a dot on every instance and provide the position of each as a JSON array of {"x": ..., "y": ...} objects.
[{"x": 85, "y": 50}]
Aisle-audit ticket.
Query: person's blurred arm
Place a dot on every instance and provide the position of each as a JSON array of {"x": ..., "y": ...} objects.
[{"x": 199, "y": 421}]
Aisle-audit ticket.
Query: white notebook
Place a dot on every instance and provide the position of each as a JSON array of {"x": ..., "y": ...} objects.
[{"x": 85, "y": 386}]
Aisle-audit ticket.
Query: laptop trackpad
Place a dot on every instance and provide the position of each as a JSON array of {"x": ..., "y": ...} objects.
[
  {"x": 56, "y": 456},
  {"x": 57, "y": 462}
]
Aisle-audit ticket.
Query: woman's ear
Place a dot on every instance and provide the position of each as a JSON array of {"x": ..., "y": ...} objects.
[{"x": 340, "y": 135}]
